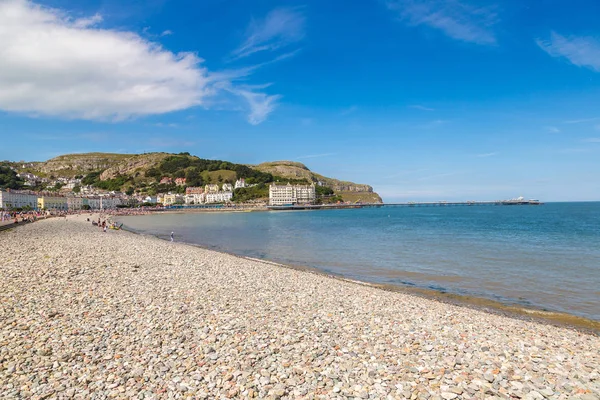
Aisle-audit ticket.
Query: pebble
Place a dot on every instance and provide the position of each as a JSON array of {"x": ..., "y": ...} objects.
[{"x": 87, "y": 314}]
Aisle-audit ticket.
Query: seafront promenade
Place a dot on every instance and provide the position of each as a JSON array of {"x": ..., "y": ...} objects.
[{"x": 86, "y": 314}]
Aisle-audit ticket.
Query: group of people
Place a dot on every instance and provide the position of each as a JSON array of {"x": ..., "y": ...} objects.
[
  {"x": 19, "y": 217},
  {"x": 105, "y": 224}
]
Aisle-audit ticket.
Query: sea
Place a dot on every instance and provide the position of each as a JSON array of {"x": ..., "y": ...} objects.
[{"x": 544, "y": 257}]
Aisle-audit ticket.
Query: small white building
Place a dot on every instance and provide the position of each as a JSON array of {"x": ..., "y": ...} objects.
[
  {"x": 282, "y": 195},
  {"x": 240, "y": 183},
  {"x": 219, "y": 197},
  {"x": 211, "y": 188},
  {"x": 227, "y": 187},
  {"x": 150, "y": 199},
  {"x": 194, "y": 198},
  {"x": 170, "y": 199}
]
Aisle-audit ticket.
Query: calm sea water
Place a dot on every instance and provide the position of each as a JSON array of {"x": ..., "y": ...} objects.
[{"x": 545, "y": 256}]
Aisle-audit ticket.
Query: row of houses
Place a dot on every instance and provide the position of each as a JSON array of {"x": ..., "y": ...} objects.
[
  {"x": 208, "y": 194},
  {"x": 11, "y": 199},
  {"x": 34, "y": 180}
]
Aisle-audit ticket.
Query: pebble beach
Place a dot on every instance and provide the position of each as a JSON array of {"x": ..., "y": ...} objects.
[{"x": 92, "y": 315}]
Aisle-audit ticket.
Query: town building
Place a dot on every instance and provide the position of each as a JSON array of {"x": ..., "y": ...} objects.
[
  {"x": 240, "y": 183},
  {"x": 150, "y": 199},
  {"x": 10, "y": 199},
  {"x": 166, "y": 180},
  {"x": 169, "y": 199},
  {"x": 195, "y": 198},
  {"x": 211, "y": 188},
  {"x": 76, "y": 203},
  {"x": 194, "y": 190},
  {"x": 180, "y": 181},
  {"x": 103, "y": 202},
  {"x": 219, "y": 197},
  {"x": 282, "y": 195},
  {"x": 227, "y": 187},
  {"x": 58, "y": 203}
]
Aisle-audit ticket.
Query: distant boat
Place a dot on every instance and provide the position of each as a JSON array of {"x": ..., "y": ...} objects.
[{"x": 520, "y": 201}]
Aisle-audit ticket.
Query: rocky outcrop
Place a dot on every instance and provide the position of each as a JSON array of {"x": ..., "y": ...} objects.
[
  {"x": 81, "y": 163},
  {"x": 131, "y": 166},
  {"x": 286, "y": 169},
  {"x": 296, "y": 170}
]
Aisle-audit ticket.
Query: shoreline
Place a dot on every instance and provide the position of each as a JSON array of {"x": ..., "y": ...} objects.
[
  {"x": 539, "y": 315},
  {"x": 89, "y": 314}
]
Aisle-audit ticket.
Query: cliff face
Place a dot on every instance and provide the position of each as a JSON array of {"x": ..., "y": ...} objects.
[
  {"x": 296, "y": 170},
  {"x": 131, "y": 166},
  {"x": 74, "y": 164}
]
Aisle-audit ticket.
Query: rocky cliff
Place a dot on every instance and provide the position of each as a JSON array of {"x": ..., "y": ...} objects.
[
  {"x": 80, "y": 164},
  {"x": 296, "y": 170}
]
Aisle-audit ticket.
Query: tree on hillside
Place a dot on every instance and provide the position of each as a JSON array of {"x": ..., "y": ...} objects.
[{"x": 9, "y": 179}]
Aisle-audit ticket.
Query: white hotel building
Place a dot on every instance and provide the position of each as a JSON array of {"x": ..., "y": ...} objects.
[
  {"x": 10, "y": 200},
  {"x": 281, "y": 195}
]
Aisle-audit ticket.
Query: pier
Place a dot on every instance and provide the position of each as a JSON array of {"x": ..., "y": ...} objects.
[{"x": 513, "y": 202}]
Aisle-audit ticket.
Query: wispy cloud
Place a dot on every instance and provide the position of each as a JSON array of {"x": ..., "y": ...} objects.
[
  {"x": 422, "y": 108},
  {"x": 258, "y": 105},
  {"x": 280, "y": 28},
  {"x": 455, "y": 18},
  {"x": 485, "y": 155},
  {"x": 579, "y": 121},
  {"x": 582, "y": 51},
  {"x": 552, "y": 129},
  {"x": 591, "y": 140},
  {"x": 316, "y": 156},
  {"x": 167, "y": 32}
]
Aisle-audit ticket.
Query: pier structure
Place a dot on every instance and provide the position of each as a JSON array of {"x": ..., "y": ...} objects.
[{"x": 513, "y": 202}]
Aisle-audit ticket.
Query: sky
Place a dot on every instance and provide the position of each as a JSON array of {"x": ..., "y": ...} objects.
[{"x": 421, "y": 99}]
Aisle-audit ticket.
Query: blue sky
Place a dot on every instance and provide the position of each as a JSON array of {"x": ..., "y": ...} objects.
[{"x": 423, "y": 100}]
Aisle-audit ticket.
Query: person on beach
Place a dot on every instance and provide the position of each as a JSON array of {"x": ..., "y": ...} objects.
[{"x": 172, "y": 234}]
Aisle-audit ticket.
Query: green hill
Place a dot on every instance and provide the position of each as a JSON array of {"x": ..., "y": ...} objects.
[{"x": 142, "y": 174}]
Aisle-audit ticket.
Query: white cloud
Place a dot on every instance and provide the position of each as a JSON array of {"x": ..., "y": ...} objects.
[
  {"x": 552, "y": 129},
  {"x": 258, "y": 105},
  {"x": 591, "y": 140},
  {"x": 167, "y": 32},
  {"x": 53, "y": 65},
  {"x": 485, "y": 155},
  {"x": 583, "y": 51},
  {"x": 280, "y": 28},
  {"x": 456, "y": 19}
]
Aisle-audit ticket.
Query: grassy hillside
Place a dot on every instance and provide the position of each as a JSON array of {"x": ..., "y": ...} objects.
[{"x": 142, "y": 173}]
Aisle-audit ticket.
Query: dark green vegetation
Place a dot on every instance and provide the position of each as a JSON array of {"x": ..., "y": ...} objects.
[
  {"x": 243, "y": 195},
  {"x": 9, "y": 179}
]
